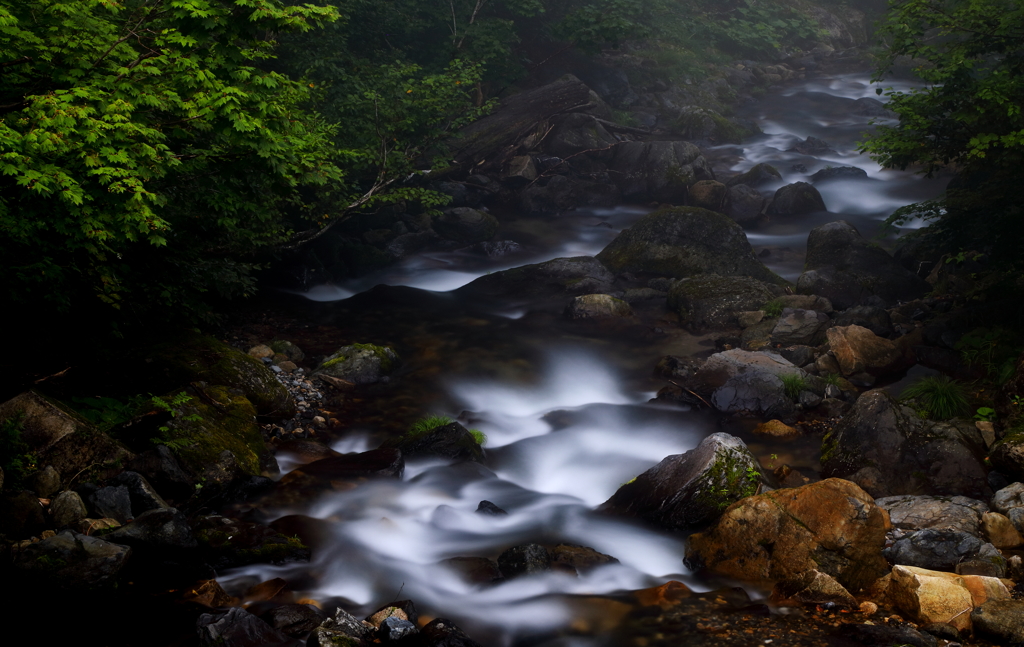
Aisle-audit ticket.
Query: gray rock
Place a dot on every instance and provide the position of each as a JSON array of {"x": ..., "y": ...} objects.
[
  {"x": 714, "y": 301},
  {"x": 811, "y": 146},
  {"x": 578, "y": 132},
  {"x": 395, "y": 629},
  {"x": 555, "y": 195},
  {"x": 67, "y": 509},
  {"x": 936, "y": 550},
  {"x": 527, "y": 559},
  {"x": 687, "y": 490},
  {"x": 744, "y": 204},
  {"x": 803, "y": 327},
  {"x": 848, "y": 270},
  {"x": 1016, "y": 517},
  {"x": 839, "y": 173},
  {"x": 754, "y": 394},
  {"x": 796, "y": 199},
  {"x": 164, "y": 472},
  {"x": 557, "y": 278},
  {"x": 873, "y": 318},
  {"x": 142, "y": 495},
  {"x": 466, "y": 226},
  {"x": 658, "y": 171},
  {"x": 359, "y": 363},
  {"x": 720, "y": 367},
  {"x": 805, "y": 302},
  {"x": 758, "y": 175},
  {"x": 44, "y": 482},
  {"x": 295, "y": 620},
  {"x": 112, "y": 502},
  {"x": 597, "y": 306},
  {"x": 339, "y": 629},
  {"x": 159, "y": 528},
  {"x": 797, "y": 355},
  {"x": 809, "y": 400},
  {"x": 288, "y": 349},
  {"x": 1008, "y": 498},
  {"x": 238, "y": 628},
  {"x": 71, "y": 560},
  {"x": 685, "y": 241},
  {"x": 1001, "y": 621},
  {"x": 707, "y": 194},
  {"x": 917, "y": 512},
  {"x": 442, "y": 632}
]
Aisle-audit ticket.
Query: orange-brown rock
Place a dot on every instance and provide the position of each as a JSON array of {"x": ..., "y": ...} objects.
[
  {"x": 931, "y": 596},
  {"x": 858, "y": 350},
  {"x": 667, "y": 595},
  {"x": 831, "y": 526},
  {"x": 777, "y": 430}
]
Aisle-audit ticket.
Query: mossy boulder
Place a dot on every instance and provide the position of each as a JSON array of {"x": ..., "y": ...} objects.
[
  {"x": 359, "y": 363},
  {"x": 711, "y": 301},
  {"x": 205, "y": 426},
  {"x": 688, "y": 490},
  {"x": 450, "y": 440},
  {"x": 685, "y": 241},
  {"x": 204, "y": 359},
  {"x": 796, "y": 199}
]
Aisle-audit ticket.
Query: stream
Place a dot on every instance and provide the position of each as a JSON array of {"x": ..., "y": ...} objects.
[{"x": 565, "y": 407}]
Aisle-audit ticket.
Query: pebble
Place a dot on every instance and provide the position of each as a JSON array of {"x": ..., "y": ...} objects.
[{"x": 308, "y": 399}]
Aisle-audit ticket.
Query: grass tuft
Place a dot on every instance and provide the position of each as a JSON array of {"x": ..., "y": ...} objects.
[
  {"x": 428, "y": 424},
  {"x": 940, "y": 395},
  {"x": 793, "y": 384}
]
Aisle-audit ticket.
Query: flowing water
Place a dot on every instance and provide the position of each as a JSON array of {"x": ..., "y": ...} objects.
[{"x": 565, "y": 407}]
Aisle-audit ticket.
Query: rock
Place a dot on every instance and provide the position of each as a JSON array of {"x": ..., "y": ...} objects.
[
  {"x": 749, "y": 318},
  {"x": 986, "y": 588},
  {"x": 687, "y": 490},
  {"x": 758, "y": 175},
  {"x": 553, "y": 195},
  {"x": 578, "y": 132},
  {"x": 910, "y": 512},
  {"x": 744, "y": 204},
  {"x": 94, "y": 526},
  {"x": 164, "y": 472},
  {"x": 44, "y": 421},
  {"x": 295, "y": 620},
  {"x": 21, "y": 515},
  {"x": 238, "y": 628},
  {"x": 527, "y": 559},
  {"x": 1008, "y": 498},
  {"x": 812, "y": 588},
  {"x": 70, "y": 560},
  {"x": 442, "y": 632},
  {"x": 839, "y": 173},
  {"x": 721, "y": 367},
  {"x": 753, "y": 394},
  {"x": 197, "y": 358},
  {"x": 831, "y": 526},
  {"x": 887, "y": 635},
  {"x": 935, "y": 549},
  {"x": 858, "y": 350},
  {"x": 580, "y": 558},
  {"x": 383, "y": 462},
  {"x": 341, "y": 629},
  {"x": 1000, "y": 531},
  {"x": 260, "y": 351},
  {"x": 928, "y": 596},
  {"x": 873, "y": 318},
  {"x": 776, "y": 430},
  {"x": 520, "y": 170},
  {"x": 911, "y": 455},
  {"x": 1008, "y": 455},
  {"x": 158, "y": 528},
  {"x": 395, "y": 629},
  {"x": 402, "y": 609},
  {"x": 556, "y": 278},
  {"x": 44, "y": 482},
  {"x": 229, "y": 543},
  {"x": 658, "y": 171},
  {"x": 797, "y": 355},
  {"x": 805, "y": 302},
  {"x": 707, "y": 194},
  {"x": 466, "y": 226},
  {"x": 848, "y": 270},
  {"x": 474, "y": 570},
  {"x": 713, "y": 301},
  {"x": 112, "y": 502},
  {"x": 685, "y": 241},
  {"x": 359, "y": 363},
  {"x": 989, "y": 562},
  {"x": 1016, "y": 517},
  {"x": 288, "y": 349},
  {"x": 67, "y": 509},
  {"x": 451, "y": 441},
  {"x": 796, "y": 199},
  {"x": 805, "y": 327},
  {"x": 811, "y": 146},
  {"x": 141, "y": 494},
  {"x": 1001, "y": 621},
  {"x": 596, "y": 306},
  {"x": 490, "y": 509}
]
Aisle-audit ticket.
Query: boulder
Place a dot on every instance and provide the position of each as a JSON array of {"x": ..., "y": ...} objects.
[
  {"x": 1008, "y": 498},
  {"x": 452, "y": 441},
  {"x": 164, "y": 472},
  {"x": 552, "y": 279},
  {"x": 528, "y": 559},
  {"x": 21, "y": 515},
  {"x": 284, "y": 347},
  {"x": 45, "y": 482},
  {"x": 831, "y": 526},
  {"x": 714, "y": 301},
  {"x": 805, "y": 302},
  {"x": 359, "y": 363},
  {"x": 70, "y": 560},
  {"x": 839, "y": 173},
  {"x": 1000, "y": 531},
  {"x": 658, "y": 171},
  {"x": 112, "y": 502},
  {"x": 909, "y": 512},
  {"x": 848, "y": 270},
  {"x": 707, "y": 194},
  {"x": 67, "y": 509},
  {"x": 873, "y": 318},
  {"x": 687, "y": 490},
  {"x": 720, "y": 367},
  {"x": 236, "y": 627},
  {"x": 796, "y": 199},
  {"x": 141, "y": 494},
  {"x": 758, "y": 175},
  {"x": 44, "y": 421},
  {"x": 577, "y": 133},
  {"x": 800, "y": 327},
  {"x": 295, "y": 620},
  {"x": 554, "y": 195},
  {"x": 858, "y": 350},
  {"x": 811, "y": 146},
  {"x": 1008, "y": 455},
  {"x": 776, "y": 430},
  {"x": 935, "y": 549},
  {"x": 597, "y": 306},
  {"x": 156, "y": 529},
  {"x": 581, "y": 559},
  {"x": 812, "y": 588},
  {"x": 342, "y": 629},
  {"x": 928, "y": 596},
  {"x": 744, "y": 204},
  {"x": 909, "y": 455},
  {"x": 441, "y": 632},
  {"x": 753, "y": 394},
  {"x": 465, "y": 226},
  {"x": 685, "y": 241},
  {"x": 1001, "y": 621}
]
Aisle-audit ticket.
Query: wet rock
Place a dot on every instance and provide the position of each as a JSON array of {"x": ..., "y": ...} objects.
[
  {"x": 527, "y": 559},
  {"x": 555, "y": 278},
  {"x": 714, "y": 301},
  {"x": 112, "y": 501},
  {"x": 839, "y": 173},
  {"x": 229, "y": 543},
  {"x": 685, "y": 241},
  {"x": 1001, "y": 621},
  {"x": 359, "y": 363},
  {"x": 935, "y": 549},
  {"x": 687, "y": 490},
  {"x": 707, "y": 194},
  {"x": 1008, "y": 498},
  {"x": 295, "y": 620},
  {"x": 395, "y": 629},
  {"x": 758, "y": 175},
  {"x": 909, "y": 455},
  {"x": 490, "y": 509},
  {"x": 832, "y": 526},
  {"x": 1000, "y": 531},
  {"x": 384, "y": 462},
  {"x": 597, "y": 306},
  {"x": 580, "y": 558},
  {"x": 848, "y": 270},
  {"x": 141, "y": 494},
  {"x": 873, "y": 318},
  {"x": 800, "y": 327},
  {"x": 811, "y": 146},
  {"x": 776, "y": 430},
  {"x": 466, "y": 226},
  {"x": 813, "y": 587},
  {"x": 927, "y": 596},
  {"x": 158, "y": 528},
  {"x": 658, "y": 171},
  {"x": 887, "y": 635},
  {"x": 917, "y": 512},
  {"x": 451, "y": 441},
  {"x": 989, "y": 562},
  {"x": 744, "y": 204},
  {"x": 342, "y": 628},
  {"x": 70, "y": 560},
  {"x": 21, "y": 514},
  {"x": 238, "y": 628},
  {"x": 753, "y": 394},
  {"x": 67, "y": 509},
  {"x": 442, "y": 632},
  {"x": 474, "y": 570},
  {"x": 858, "y": 350},
  {"x": 555, "y": 195},
  {"x": 796, "y": 199},
  {"x": 403, "y": 609}
]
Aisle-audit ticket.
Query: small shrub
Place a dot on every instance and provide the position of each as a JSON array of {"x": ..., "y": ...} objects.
[
  {"x": 793, "y": 384},
  {"x": 773, "y": 308},
  {"x": 428, "y": 424},
  {"x": 941, "y": 396}
]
